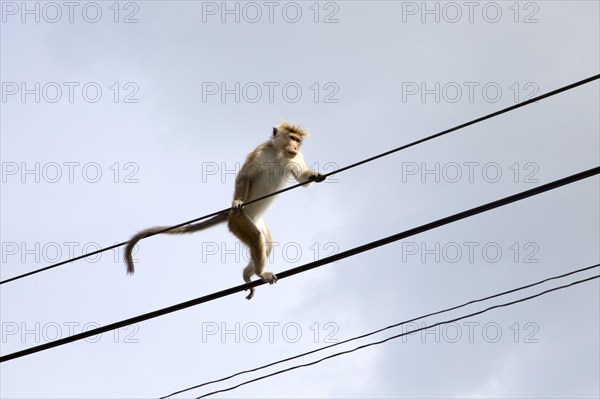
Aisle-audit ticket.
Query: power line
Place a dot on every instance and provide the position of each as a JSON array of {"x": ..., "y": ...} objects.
[
  {"x": 381, "y": 330},
  {"x": 431, "y": 137},
  {"x": 472, "y": 122},
  {"x": 402, "y": 335},
  {"x": 354, "y": 251}
]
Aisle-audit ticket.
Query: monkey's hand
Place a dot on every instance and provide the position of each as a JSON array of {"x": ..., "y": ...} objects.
[
  {"x": 237, "y": 204},
  {"x": 318, "y": 177}
]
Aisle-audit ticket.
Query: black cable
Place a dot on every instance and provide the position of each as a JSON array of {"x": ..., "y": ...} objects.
[
  {"x": 472, "y": 122},
  {"x": 403, "y": 334},
  {"x": 380, "y": 330},
  {"x": 431, "y": 137},
  {"x": 366, "y": 247}
]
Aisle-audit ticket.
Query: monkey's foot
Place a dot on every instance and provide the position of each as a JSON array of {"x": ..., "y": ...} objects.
[
  {"x": 251, "y": 294},
  {"x": 269, "y": 277}
]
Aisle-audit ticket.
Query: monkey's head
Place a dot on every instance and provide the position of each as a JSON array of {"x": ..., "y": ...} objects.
[{"x": 288, "y": 139}]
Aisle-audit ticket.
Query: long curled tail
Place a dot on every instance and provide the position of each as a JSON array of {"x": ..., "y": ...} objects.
[{"x": 190, "y": 228}]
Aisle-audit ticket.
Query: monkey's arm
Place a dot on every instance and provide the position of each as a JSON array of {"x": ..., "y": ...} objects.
[
  {"x": 302, "y": 174},
  {"x": 249, "y": 172},
  {"x": 242, "y": 186}
]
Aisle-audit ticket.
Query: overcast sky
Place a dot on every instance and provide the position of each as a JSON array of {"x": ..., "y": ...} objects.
[{"x": 117, "y": 116}]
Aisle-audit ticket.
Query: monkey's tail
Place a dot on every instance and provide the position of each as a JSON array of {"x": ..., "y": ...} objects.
[{"x": 190, "y": 228}]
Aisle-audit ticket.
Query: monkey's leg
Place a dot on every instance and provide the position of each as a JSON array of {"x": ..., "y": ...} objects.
[
  {"x": 251, "y": 235},
  {"x": 248, "y": 272},
  {"x": 250, "y": 269},
  {"x": 268, "y": 240}
]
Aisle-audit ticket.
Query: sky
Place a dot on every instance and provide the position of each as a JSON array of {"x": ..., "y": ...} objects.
[{"x": 117, "y": 116}]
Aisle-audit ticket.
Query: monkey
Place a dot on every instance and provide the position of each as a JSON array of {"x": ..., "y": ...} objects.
[{"x": 266, "y": 170}]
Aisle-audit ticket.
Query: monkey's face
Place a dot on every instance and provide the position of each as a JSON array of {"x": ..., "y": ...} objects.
[
  {"x": 288, "y": 141},
  {"x": 292, "y": 147}
]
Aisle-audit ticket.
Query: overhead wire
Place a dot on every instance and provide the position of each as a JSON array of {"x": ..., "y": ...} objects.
[
  {"x": 395, "y": 325},
  {"x": 402, "y": 335},
  {"x": 431, "y": 137},
  {"x": 351, "y": 252}
]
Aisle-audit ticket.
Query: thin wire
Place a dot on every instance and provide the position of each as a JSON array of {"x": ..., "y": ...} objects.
[
  {"x": 472, "y": 122},
  {"x": 381, "y": 330},
  {"x": 431, "y": 137},
  {"x": 363, "y": 248},
  {"x": 403, "y": 334}
]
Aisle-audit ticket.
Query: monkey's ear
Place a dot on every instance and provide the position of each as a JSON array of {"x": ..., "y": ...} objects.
[{"x": 274, "y": 131}]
